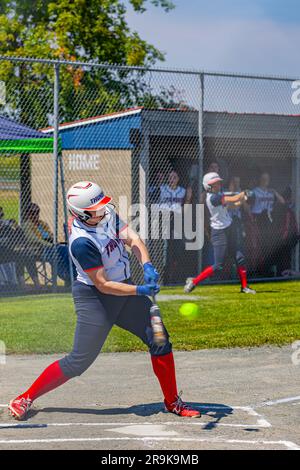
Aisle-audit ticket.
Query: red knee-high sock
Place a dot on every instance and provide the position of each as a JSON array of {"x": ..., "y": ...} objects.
[
  {"x": 209, "y": 271},
  {"x": 164, "y": 369},
  {"x": 51, "y": 378},
  {"x": 243, "y": 276}
]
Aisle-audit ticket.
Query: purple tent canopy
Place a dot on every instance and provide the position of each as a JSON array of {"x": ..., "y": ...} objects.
[
  {"x": 16, "y": 138},
  {"x": 12, "y": 130}
]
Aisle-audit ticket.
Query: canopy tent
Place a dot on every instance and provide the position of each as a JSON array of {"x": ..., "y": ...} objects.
[
  {"x": 21, "y": 139},
  {"x": 16, "y": 138}
]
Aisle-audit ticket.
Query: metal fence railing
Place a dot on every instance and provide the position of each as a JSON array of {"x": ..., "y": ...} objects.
[{"x": 146, "y": 136}]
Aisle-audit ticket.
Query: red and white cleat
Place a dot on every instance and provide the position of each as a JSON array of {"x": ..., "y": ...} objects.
[
  {"x": 19, "y": 407},
  {"x": 180, "y": 408}
]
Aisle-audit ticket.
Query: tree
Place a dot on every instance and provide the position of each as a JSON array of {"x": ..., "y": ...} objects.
[
  {"x": 77, "y": 29},
  {"x": 73, "y": 30}
]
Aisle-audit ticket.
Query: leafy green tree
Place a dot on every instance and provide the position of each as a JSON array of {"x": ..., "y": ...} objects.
[{"x": 73, "y": 30}]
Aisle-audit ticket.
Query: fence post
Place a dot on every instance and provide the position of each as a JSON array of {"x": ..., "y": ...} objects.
[
  {"x": 201, "y": 152},
  {"x": 63, "y": 191},
  {"x": 144, "y": 176},
  {"x": 297, "y": 195},
  {"x": 55, "y": 169}
]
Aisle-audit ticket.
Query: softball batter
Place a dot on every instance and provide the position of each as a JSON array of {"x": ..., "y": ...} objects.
[
  {"x": 224, "y": 236},
  {"x": 104, "y": 296}
]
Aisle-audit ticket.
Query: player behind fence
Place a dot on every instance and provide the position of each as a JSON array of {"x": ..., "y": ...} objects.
[{"x": 224, "y": 236}]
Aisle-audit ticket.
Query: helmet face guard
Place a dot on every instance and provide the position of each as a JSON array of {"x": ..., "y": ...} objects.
[
  {"x": 103, "y": 213},
  {"x": 85, "y": 216}
]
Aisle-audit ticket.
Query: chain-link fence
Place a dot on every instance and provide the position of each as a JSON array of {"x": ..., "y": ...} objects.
[{"x": 146, "y": 136}]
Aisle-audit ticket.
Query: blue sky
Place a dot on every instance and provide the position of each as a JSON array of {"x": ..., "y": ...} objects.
[{"x": 257, "y": 36}]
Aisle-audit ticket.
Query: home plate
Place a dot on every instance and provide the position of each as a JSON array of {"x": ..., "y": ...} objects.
[{"x": 145, "y": 431}]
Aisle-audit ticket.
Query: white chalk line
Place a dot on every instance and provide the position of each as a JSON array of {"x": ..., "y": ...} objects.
[
  {"x": 136, "y": 423},
  {"x": 261, "y": 442},
  {"x": 277, "y": 402},
  {"x": 261, "y": 422},
  {"x": 247, "y": 409},
  {"x": 176, "y": 297},
  {"x": 209, "y": 407}
]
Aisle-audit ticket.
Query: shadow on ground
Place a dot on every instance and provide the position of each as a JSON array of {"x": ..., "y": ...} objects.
[{"x": 215, "y": 411}]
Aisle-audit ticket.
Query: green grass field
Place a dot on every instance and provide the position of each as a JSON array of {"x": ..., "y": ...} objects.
[
  {"x": 9, "y": 200},
  {"x": 10, "y": 172},
  {"x": 45, "y": 324},
  {"x": 10, "y": 168}
]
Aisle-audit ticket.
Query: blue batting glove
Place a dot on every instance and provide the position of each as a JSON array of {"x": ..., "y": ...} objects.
[
  {"x": 148, "y": 289},
  {"x": 151, "y": 276}
]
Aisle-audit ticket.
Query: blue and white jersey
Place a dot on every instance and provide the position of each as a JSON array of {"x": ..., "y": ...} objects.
[
  {"x": 219, "y": 215},
  {"x": 264, "y": 201},
  {"x": 172, "y": 199},
  {"x": 95, "y": 247}
]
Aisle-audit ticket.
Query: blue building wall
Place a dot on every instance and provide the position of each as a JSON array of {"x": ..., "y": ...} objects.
[{"x": 108, "y": 134}]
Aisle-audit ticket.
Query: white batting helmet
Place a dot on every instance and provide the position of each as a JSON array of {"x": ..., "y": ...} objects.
[
  {"x": 84, "y": 197},
  {"x": 209, "y": 179}
]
